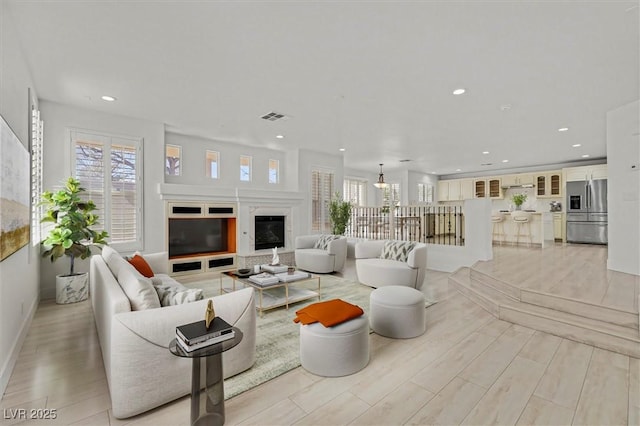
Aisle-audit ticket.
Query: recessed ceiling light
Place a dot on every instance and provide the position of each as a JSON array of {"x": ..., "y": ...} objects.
[
  {"x": 585, "y": 156},
  {"x": 406, "y": 160},
  {"x": 505, "y": 161},
  {"x": 575, "y": 145},
  {"x": 486, "y": 164},
  {"x": 505, "y": 107},
  {"x": 280, "y": 136},
  {"x": 459, "y": 91},
  {"x": 458, "y": 170},
  {"x": 563, "y": 129},
  {"x": 485, "y": 152},
  {"x": 108, "y": 98},
  {"x": 433, "y": 173},
  {"x": 342, "y": 150}
]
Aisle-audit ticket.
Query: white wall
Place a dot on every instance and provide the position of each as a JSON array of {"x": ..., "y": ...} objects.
[
  {"x": 19, "y": 273},
  {"x": 623, "y": 157},
  {"x": 193, "y": 159},
  {"x": 58, "y": 120}
]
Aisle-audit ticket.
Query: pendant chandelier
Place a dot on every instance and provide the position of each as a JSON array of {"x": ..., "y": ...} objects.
[{"x": 381, "y": 183}]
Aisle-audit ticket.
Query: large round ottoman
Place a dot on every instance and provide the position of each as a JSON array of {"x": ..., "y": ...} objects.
[
  {"x": 397, "y": 311},
  {"x": 335, "y": 351}
]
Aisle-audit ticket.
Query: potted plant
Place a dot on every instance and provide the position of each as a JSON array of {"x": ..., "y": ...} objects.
[
  {"x": 339, "y": 214},
  {"x": 71, "y": 235},
  {"x": 518, "y": 200}
]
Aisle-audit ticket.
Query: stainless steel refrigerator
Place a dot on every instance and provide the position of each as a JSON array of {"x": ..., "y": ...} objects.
[{"x": 587, "y": 211}]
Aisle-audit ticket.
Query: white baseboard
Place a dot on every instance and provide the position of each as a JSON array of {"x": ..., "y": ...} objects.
[{"x": 7, "y": 368}]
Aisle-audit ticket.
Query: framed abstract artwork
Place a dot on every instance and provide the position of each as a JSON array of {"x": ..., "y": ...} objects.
[{"x": 14, "y": 192}]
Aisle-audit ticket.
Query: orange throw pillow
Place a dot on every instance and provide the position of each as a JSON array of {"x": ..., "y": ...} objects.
[
  {"x": 328, "y": 313},
  {"x": 141, "y": 265}
]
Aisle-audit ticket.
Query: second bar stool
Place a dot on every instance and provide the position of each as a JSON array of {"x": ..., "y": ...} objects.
[{"x": 522, "y": 219}]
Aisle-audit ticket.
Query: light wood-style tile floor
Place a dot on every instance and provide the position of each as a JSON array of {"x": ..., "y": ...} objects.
[{"x": 468, "y": 368}]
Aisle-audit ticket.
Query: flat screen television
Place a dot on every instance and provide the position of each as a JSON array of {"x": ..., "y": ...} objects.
[
  {"x": 269, "y": 232},
  {"x": 197, "y": 235}
]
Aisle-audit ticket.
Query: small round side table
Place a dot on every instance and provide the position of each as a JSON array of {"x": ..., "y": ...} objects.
[{"x": 207, "y": 402}]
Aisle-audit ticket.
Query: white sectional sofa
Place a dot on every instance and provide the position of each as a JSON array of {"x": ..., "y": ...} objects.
[
  {"x": 141, "y": 372},
  {"x": 376, "y": 266}
]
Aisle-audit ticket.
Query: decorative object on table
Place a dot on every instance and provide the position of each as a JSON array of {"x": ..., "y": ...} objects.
[
  {"x": 15, "y": 214},
  {"x": 72, "y": 235},
  {"x": 518, "y": 200},
  {"x": 244, "y": 272},
  {"x": 339, "y": 214},
  {"x": 209, "y": 314},
  {"x": 275, "y": 260},
  {"x": 291, "y": 270}
]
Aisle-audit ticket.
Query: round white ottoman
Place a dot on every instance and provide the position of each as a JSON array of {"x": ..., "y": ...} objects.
[
  {"x": 335, "y": 351},
  {"x": 397, "y": 311}
]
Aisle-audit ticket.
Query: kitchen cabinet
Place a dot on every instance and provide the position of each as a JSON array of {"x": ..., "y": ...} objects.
[
  {"x": 558, "y": 226},
  {"x": 549, "y": 185},
  {"x": 596, "y": 171},
  {"x": 491, "y": 188},
  {"x": 455, "y": 190},
  {"x": 519, "y": 179}
]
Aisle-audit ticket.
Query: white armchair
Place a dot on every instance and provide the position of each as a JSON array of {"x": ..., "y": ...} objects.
[
  {"x": 321, "y": 254},
  {"x": 374, "y": 271}
]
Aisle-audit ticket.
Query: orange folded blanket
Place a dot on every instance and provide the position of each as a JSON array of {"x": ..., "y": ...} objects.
[{"x": 328, "y": 313}]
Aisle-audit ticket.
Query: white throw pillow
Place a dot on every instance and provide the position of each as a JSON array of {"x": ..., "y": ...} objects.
[
  {"x": 397, "y": 250},
  {"x": 170, "y": 292},
  {"x": 113, "y": 259},
  {"x": 138, "y": 288}
]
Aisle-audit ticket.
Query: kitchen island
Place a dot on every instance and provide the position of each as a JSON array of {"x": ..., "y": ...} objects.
[{"x": 541, "y": 224}]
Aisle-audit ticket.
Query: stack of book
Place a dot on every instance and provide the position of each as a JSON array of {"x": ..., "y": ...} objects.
[
  {"x": 274, "y": 269},
  {"x": 264, "y": 279},
  {"x": 197, "y": 336}
]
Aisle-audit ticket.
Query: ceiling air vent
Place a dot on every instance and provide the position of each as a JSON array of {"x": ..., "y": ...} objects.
[{"x": 274, "y": 116}]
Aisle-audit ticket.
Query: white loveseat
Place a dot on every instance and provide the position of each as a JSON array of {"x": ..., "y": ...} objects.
[
  {"x": 141, "y": 372},
  {"x": 374, "y": 271}
]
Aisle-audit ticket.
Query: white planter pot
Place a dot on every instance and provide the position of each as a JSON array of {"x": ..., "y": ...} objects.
[{"x": 72, "y": 288}]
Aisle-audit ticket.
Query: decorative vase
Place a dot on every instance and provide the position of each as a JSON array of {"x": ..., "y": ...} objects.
[
  {"x": 72, "y": 288},
  {"x": 518, "y": 206}
]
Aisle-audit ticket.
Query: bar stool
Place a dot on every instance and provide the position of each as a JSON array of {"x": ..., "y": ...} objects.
[
  {"x": 497, "y": 218},
  {"x": 521, "y": 219}
]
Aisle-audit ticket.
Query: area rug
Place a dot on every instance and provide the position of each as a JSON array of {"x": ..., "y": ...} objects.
[{"x": 277, "y": 336}]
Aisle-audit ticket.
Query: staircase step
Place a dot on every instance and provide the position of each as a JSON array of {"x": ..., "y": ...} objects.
[{"x": 594, "y": 331}]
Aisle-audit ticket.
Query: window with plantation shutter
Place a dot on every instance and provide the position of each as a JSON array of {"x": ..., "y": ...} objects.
[
  {"x": 355, "y": 191},
  {"x": 391, "y": 195},
  {"x": 110, "y": 171},
  {"x": 36, "y": 175},
  {"x": 321, "y": 190}
]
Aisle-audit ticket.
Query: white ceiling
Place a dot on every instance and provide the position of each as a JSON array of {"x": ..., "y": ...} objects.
[{"x": 375, "y": 78}]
